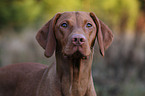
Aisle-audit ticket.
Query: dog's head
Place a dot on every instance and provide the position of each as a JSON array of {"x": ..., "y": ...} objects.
[{"x": 74, "y": 34}]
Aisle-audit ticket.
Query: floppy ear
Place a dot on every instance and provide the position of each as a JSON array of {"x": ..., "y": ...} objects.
[
  {"x": 104, "y": 34},
  {"x": 46, "y": 38}
]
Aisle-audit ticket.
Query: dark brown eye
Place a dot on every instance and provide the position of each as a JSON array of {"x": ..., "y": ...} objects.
[
  {"x": 89, "y": 25},
  {"x": 64, "y": 25}
]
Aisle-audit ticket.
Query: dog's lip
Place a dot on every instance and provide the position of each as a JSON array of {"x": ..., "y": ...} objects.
[
  {"x": 77, "y": 52},
  {"x": 76, "y": 55}
]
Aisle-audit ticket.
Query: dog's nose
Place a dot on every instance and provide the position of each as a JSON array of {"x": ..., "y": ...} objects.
[{"x": 78, "y": 39}]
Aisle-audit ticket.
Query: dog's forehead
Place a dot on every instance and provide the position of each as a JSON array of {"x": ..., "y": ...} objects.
[{"x": 75, "y": 15}]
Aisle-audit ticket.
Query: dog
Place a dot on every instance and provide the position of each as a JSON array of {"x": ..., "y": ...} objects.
[{"x": 72, "y": 36}]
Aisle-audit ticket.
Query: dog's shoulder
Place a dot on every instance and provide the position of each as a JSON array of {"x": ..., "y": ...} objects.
[
  {"x": 22, "y": 68},
  {"x": 19, "y": 75}
]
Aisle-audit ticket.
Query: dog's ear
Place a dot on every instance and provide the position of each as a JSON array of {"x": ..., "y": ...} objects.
[
  {"x": 104, "y": 34},
  {"x": 46, "y": 38}
]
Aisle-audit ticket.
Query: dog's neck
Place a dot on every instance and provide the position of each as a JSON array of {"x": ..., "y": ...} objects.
[{"x": 74, "y": 74}]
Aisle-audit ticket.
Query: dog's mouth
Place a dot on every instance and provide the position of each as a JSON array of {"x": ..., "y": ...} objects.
[
  {"x": 76, "y": 54},
  {"x": 77, "y": 51}
]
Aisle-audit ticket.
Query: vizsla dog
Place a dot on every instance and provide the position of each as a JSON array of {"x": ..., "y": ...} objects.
[{"x": 72, "y": 36}]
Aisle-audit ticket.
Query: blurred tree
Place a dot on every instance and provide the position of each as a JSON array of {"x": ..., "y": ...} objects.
[
  {"x": 119, "y": 14},
  {"x": 17, "y": 14}
]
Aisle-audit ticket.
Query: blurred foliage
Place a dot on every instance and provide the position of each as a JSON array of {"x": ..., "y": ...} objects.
[
  {"x": 21, "y": 13},
  {"x": 118, "y": 13},
  {"x": 18, "y": 13}
]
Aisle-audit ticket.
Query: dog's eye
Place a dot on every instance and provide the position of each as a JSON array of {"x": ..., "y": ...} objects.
[
  {"x": 64, "y": 25},
  {"x": 89, "y": 25}
]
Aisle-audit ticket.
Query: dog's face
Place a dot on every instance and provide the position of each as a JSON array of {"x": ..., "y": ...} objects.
[{"x": 73, "y": 34}]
